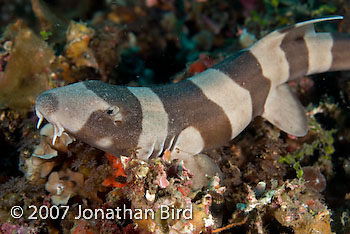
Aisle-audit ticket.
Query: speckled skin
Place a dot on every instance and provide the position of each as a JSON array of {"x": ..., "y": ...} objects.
[{"x": 206, "y": 110}]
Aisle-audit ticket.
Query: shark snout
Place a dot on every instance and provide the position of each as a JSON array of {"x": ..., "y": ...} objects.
[{"x": 46, "y": 103}]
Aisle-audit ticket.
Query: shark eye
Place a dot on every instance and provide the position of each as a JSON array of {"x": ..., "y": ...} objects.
[
  {"x": 112, "y": 110},
  {"x": 115, "y": 114}
]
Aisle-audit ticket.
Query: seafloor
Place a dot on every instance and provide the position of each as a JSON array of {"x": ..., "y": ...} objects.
[{"x": 273, "y": 182}]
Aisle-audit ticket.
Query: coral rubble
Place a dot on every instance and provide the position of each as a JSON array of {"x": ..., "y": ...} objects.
[{"x": 271, "y": 182}]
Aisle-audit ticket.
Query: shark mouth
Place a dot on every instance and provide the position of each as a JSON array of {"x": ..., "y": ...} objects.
[{"x": 58, "y": 129}]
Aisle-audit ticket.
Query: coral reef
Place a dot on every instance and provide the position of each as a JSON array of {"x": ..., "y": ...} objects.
[
  {"x": 26, "y": 67},
  {"x": 46, "y": 149},
  {"x": 271, "y": 182},
  {"x": 63, "y": 185}
]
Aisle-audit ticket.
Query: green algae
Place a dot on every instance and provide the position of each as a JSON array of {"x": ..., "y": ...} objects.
[{"x": 323, "y": 144}]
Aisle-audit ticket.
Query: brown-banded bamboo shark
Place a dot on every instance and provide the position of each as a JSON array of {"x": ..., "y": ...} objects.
[{"x": 206, "y": 110}]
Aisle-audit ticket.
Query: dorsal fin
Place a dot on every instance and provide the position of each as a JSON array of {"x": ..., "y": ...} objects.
[
  {"x": 284, "y": 111},
  {"x": 300, "y": 29},
  {"x": 273, "y": 59},
  {"x": 296, "y": 30}
]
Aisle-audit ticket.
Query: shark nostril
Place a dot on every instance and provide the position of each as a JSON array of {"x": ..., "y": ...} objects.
[{"x": 46, "y": 103}]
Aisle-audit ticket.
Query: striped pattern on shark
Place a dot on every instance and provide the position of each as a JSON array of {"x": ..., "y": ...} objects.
[{"x": 206, "y": 110}]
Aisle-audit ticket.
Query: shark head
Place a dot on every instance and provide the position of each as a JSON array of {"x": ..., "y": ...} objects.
[{"x": 102, "y": 115}]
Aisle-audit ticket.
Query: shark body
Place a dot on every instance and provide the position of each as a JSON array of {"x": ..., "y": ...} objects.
[{"x": 206, "y": 110}]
